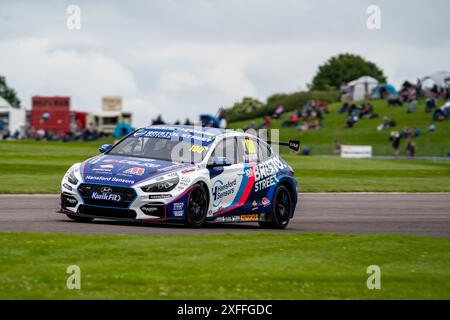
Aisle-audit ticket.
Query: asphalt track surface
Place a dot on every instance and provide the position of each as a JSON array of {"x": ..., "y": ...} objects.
[{"x": 360, "y": 213}]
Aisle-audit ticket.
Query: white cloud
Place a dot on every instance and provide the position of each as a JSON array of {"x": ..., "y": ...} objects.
[{"x": 182, "y": 58}]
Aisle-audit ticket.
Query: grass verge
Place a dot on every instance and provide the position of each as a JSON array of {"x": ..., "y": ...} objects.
[{"x": 230, "y": 266}]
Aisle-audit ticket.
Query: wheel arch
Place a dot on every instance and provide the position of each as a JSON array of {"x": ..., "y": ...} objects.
[
  {"x": 286, "y": 182},
  {"x": 205, "y": 187}
]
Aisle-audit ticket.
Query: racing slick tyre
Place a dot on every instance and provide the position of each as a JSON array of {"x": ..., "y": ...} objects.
[
  {"x": 197, "y": 206},
  {"x": 282, "y": 206},
  {"x": 79, "y": 219}
]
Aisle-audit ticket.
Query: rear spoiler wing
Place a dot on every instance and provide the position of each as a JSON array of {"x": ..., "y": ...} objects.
[{"x": 292, "y": 144}]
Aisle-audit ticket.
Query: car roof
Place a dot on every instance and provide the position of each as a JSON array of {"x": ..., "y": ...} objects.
[{"x": 210, "y": 130}]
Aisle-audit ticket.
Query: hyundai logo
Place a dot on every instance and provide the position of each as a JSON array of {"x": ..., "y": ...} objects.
[{"x": 106, "y": 189}]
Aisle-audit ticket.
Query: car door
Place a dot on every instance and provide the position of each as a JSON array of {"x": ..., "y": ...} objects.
[
  {"x": 225, "y": 180},
  {"x": 261, "y": 172}
]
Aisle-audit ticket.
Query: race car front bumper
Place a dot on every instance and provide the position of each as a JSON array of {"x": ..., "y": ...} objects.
[{"x": 133, "y": 205}]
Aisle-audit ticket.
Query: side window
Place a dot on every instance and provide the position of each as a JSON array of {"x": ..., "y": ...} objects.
[
  {"x": 256, "y": 150},
  {"x": 226, "y": 148},
  {"x": 264, "y": 151}
]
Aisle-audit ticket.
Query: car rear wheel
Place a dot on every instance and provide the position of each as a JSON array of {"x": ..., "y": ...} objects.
[
  {"x": 197, "y": 206},
  {"x": 281, "y": 213},
  {"x": 79, "y": 219}
]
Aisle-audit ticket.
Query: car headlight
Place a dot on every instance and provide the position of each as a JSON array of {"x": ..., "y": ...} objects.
[
  {"x": 71, "y": 177},
  {"x": 162, "y": 186}
]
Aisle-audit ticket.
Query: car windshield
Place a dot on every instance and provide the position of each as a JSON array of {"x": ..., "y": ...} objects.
[{"x": 162, "y": 148}]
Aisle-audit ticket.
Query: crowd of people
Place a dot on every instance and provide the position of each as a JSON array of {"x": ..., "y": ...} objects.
[{"x": 355, "y": 113}]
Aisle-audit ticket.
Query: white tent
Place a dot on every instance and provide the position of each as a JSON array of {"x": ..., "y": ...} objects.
[
  {"x": 12, "y": 118},
  {"x": 362, "y": 87},
  {"x": 441, "y": 79}
]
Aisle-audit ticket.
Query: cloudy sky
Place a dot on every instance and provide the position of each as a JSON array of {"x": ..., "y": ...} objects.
[{"x": 183, "y": 58}]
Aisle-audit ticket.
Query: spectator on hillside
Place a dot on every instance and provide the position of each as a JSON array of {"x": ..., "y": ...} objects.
[
  {"x": 430, "y": 104},
  {"x": 432, "y": 128},
  {"x": 266, "y": 122},
  {"x": 395, "y": 139},
  {"x": 411, "y": 148},
  {"x": 344, "y": 107},
  {"x": 442, "y": 113},
  {"x": 416, "y": 131},
  {"x": 387, "y": 123},
  {"x": 277, "y": 112},
  {"x": 367, "y": 110},
  {"x": 351, "y": 120},
  {"x": 407, "y": 132},
  {"x": 412, "y": 105},
  {"x": 293, "y": 119}
]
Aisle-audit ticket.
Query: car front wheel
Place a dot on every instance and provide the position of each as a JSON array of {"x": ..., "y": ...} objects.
[{"x": 197, "y": 206}]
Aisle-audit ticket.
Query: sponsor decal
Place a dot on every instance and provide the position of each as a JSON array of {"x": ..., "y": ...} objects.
[
  {"x": 178, "y": 206},
  {"x": 228, "y": 219},
  {"x": 108, "y": 179},
  {"x": 210, "y": 213},
  {"x": 139, "y": 133},
  {"x": 102, "y": 170},
  {"x": 136, "y": 171},
  {"x": 178, "y": 213},
  {"x": 197, "y": 149},
  {"x": 184, "y": 182},
  {"x": 265, "y": 173},
  {"x": 173, "y": 166},
  {"x": 160, "y": 196},
  {"x": 105, "y": 196},
  {"x": 149, "y": 210},
  {"x": 249, "y": 217},
  {"x": 70, "y": 200},
  {"x": 254, "y": 203},
  {"x": 170, "y": 133},
  {"x": 221, "y": 190},
  {"x": 250, "y": 146},
  {"x": 262, "y": 217},
  {"x": 265, "y": 202}
]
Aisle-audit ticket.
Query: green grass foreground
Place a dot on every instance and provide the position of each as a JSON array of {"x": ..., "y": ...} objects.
[
  {"x": 261, "y": 266},
  {"x": 38, "y": 167}
]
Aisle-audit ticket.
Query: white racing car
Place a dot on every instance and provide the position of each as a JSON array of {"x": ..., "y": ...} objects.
[{"x": 183, "y": 174}]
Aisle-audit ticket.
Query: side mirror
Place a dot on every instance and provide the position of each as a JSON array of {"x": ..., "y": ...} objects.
[
  {"x": 105, "y": 148},
  {"x": 220, "y": 162}
]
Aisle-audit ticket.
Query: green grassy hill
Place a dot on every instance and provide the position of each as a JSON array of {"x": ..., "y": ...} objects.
[{"x": 365, "y": 132}]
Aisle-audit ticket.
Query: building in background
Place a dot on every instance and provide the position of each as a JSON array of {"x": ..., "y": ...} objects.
[
  {"x": 53, "y": 114},
  {"x": 12, "y": 119},
  {"x": 110, "y": 116},
  {"x": 50, "y": 114}
]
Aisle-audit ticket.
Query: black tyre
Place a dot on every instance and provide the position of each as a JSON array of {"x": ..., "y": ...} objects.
[
  {"x": 79, "y": 219},
  {"x": 197, "y": 206},
  {"x": 282, "y": 207}
]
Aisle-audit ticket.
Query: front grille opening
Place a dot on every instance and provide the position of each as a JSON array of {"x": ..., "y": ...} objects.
[
  {"x": 107, "y": 212},
  {"x": 128, "y": 195}
]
